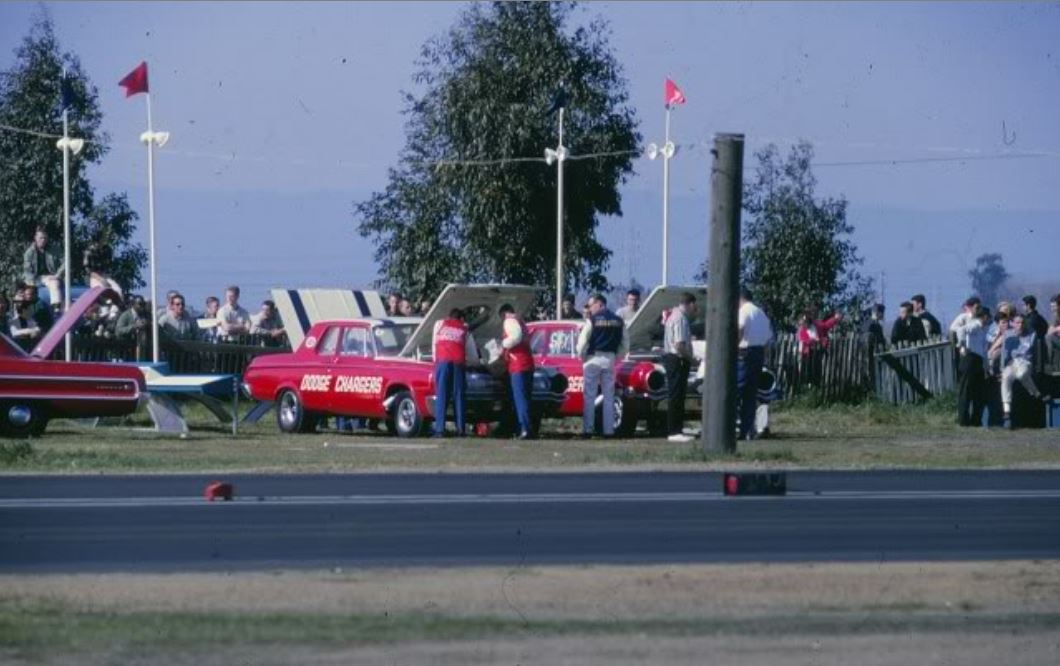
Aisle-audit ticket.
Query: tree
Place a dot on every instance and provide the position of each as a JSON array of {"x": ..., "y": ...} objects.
[
  {"x": 31, "y": 170},
  {"x": 485, "y": 86},
  {"x": 988, "y": 277},
  {"x": 797, "y": 252}
]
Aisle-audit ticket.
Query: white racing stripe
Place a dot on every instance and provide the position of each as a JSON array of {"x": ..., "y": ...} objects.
[{"x": 523, "y": 498}]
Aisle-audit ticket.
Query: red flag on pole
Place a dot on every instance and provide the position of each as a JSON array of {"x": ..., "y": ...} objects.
[
  {"x": 673, "y": 94},
  {"x": 135, "y": 82}
]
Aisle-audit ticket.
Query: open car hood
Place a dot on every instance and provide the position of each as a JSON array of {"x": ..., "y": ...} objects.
[
  {"x": 301, "y": 308},
  {"x": 70, "y": 319},
  {"x": 480, "y": 302},
  {"x": 646, "y": 329}
]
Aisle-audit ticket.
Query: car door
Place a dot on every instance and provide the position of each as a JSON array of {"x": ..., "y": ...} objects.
[
  {"x": 356, "y": 382},
  {"x": 317, "y": 381}
]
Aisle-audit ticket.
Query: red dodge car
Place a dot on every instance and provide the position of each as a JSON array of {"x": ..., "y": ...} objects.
[{"x": 34, "y": 389}]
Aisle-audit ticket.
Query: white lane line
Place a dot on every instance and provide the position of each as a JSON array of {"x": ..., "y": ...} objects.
[{"x": 523, "y": 498}]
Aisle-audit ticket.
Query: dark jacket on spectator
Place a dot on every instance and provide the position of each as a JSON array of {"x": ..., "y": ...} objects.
[
  {"x": 932, "y": 327},
  {"x": 907, "y": 330}
]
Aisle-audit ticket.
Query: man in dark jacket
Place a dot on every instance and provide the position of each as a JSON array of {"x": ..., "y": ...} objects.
[
  {"x": 907, "y": 328},
  {"x": 932, "y": 327},
  {"x": 872, "y": 335},
  {"x": 1031, "y": 318}
]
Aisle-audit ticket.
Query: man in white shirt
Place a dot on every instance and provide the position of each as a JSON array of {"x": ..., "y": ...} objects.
[
  {"x": 233, "y": 320},
  {"x": 602, "y": 340},
  {"x": 755, "y": 332},
  {"x": 627, "y": 311},
  {"x": 970, "y": 327},
  {"x": 677, "y": 360}
]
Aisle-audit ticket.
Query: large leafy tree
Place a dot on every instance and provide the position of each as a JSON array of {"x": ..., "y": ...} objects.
[
  {"x": 797, "y": 251},
  {"x": 988, "y": 276},
  {"x": 485, "y": 86},
  {"x": 31, "y": 167}
]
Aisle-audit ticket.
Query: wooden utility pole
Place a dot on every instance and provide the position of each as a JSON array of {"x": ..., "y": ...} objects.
[{"x": 719, "y": 385}]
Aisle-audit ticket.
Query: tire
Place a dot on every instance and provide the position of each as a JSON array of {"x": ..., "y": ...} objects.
[
  {"x": 291, "y": 415},
  {"x": 20, "y": 420},
  {"x": 405, "y": 417},
  {"x": 625, "y": 418}
]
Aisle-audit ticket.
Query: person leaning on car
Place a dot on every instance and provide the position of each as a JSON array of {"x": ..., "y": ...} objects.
[
  {"x": 677, "y": 360},
  {"x": 454, "y": 347}
]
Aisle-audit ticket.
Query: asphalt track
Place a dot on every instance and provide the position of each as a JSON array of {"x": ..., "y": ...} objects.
[{"x": 163, "y": 523}]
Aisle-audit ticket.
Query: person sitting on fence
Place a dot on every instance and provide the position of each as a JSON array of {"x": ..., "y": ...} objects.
[
  {"x": 871, "y": 334},
  {"x": 907, "y": 329},
  {"x": 931, "y": 325},
  {"x": 1052, "y": 335},
  {"x": 133, "y": 323},
  {"x": 42, "y": 265},
  {"x": 1017, "y": 362},
  {"x": 23, "y": 328},
  {"x": 98, "y": 256},
  {"x": 209, "y": 324},
  {"x": 176, "y": 323},
  {"x": 813, "y": 333},
  {"x": 268, "y": 325},
  {"x": 233, "y": 319}
]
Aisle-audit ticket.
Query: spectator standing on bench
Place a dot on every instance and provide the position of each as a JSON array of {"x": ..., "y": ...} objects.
[
  {"x": 233, "y": 319},
  {"x": 176, "y": 323},
  {"x": 268, "y": 324},
  {"x": 1018, "y": 363},
  {"x": 42, "y": 266},
  {"x": 971, "y": 327},
  {"x": 932, "y": 327}
]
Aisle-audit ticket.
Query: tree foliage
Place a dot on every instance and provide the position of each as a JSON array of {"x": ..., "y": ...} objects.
[
  {"x": 988, "y": 276},
  {"x": 31, "y": 169},
  {"x": 797, "y": 251},
  {"x": 486, "y": 84}
]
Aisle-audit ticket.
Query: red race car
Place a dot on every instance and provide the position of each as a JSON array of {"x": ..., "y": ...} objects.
[
  {"x": 34, "y": 389},
  {"x": 638, "y": 384},
  {"x": 381, "y": 368}
]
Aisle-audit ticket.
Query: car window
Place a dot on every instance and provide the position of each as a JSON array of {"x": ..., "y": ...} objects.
[
  {"x": 354, "y": 342},
  {"x": 328, "y": 342},
  {"x": 537, "y": 343},
  {"x": 391, "y": 338}
]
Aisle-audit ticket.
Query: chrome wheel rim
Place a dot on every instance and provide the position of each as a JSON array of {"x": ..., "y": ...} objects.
[
  {"x": 19, "y": 415},
  {"x": 288, "y": 410},
  {"x": 407, "y": 414},
  {"x": 618, "y": 412}
]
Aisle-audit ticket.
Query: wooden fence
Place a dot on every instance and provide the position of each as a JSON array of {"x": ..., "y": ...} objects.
[{"x": 848, "y": 369}]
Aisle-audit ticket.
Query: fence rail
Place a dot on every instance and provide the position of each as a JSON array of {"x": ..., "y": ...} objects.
[{"x": 184, "y": 356}]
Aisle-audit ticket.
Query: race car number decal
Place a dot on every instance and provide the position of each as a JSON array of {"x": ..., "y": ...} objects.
[
  {"x": 320, "y": 383},
  {"x": 357, "y": 384},
  {"x": 576, "y": 384}
]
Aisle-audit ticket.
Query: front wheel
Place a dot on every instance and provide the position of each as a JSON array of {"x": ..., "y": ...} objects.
[
  {"x": 405, "y": 417},
  {"x": 22, "y": 419},
  {"x": 625, "y": 417},
  {"x": 291, "y": 415}
]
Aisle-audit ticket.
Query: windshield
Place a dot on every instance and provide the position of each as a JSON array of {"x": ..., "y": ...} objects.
[{"x": 390, "y": 339}]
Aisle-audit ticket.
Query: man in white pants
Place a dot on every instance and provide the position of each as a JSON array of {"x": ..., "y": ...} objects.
[
  {"x": 1018, "y": 363},
  {"x": 602, "y": 341}
]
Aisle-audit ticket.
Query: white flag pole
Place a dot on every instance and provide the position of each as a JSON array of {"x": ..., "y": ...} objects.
[
  {"x": 66, "y": 223},
  {"x": 560, "y": 158},
  {"x": 667, "y": 151},
  {"x": 149, "y": 139}
]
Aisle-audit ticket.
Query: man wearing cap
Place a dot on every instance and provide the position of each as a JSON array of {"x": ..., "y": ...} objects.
[
  {"x": 516, "y": 344},
  {"x": 602, "y": 340},
  {"x": 454, "y": 347}
]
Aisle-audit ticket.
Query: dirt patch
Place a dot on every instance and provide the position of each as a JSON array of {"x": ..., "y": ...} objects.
[{"x": 587, "y": 593}]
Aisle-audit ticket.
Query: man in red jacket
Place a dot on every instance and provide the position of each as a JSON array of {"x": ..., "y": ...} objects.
[
  {"x": 516, "y": 344},
  {"x": 454, "y": 348}
]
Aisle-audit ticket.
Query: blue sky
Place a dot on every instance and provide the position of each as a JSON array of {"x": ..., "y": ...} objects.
[{"x": 937, "y": 121}]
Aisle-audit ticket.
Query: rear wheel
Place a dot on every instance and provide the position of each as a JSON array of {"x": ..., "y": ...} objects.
[
  {"x": 22, "y": 419},
  {"x": 405, "y": 417},
  {"x": 625, "y": 417},
  {"x": 291, "y": 415}
]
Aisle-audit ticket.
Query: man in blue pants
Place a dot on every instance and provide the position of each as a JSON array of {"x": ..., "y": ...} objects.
[
  {"x": 454, "y": 347},
  {"x": 755, "y": 333},
  {"x": 515, "y": 341}
]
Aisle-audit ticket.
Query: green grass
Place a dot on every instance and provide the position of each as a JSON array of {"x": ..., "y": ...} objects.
[
  {"x": 35, "y": 629},
  {"x": 866, "y": 435}
]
